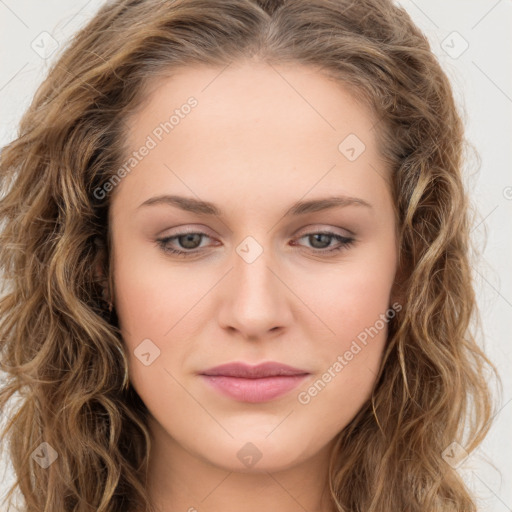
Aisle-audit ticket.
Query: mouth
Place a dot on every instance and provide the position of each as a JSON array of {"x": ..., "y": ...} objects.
[{"x": 254, "y": 384}]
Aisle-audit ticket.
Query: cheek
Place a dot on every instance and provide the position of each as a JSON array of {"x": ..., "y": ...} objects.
[
  {"x": 160, "y": 302},
  {"x": 338, "y": 393},
  {"x": 351, "y": 295},
  {"x": 151, "y": 294},
  {"x": 355, "y": 304},
  {"x": 349, "y": 360}
]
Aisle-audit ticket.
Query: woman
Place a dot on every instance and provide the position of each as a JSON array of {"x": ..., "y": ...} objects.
[{"x": 235, "y": 250}]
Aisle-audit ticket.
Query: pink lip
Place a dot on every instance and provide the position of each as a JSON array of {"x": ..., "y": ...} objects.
[{"x": 259, "y": 383}]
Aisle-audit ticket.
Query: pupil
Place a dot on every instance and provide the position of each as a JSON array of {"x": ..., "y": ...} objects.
[
  {"x": 189, "y": 241},
  {"x": 318, "y": 236}
]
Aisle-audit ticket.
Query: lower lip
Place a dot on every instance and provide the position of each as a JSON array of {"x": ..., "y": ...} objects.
[{"x": 254, "y": 390}]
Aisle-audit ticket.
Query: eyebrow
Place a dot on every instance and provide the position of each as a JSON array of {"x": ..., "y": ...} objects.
[{"x": 198, "y": 206}]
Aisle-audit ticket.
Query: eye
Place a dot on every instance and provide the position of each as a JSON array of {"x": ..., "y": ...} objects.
[
  {"x": 321, "y": 240},
  {"x": 189, "y": 243}
]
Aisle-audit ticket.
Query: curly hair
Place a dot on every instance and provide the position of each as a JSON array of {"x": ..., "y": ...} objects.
[{"x": 63, "y": 355}]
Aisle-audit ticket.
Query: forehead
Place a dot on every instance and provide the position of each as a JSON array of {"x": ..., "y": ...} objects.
[
  {"x": 252, "y": 127},
  {"x": 254, "y": 96}
]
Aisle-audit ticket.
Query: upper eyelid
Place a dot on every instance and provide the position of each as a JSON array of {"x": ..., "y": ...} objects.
[
  {"x": 328, "y": 230},
  {"x": 315, "y": 228}
]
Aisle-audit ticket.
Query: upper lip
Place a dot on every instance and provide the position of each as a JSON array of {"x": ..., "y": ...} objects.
[{"x": 243, "y": 370}]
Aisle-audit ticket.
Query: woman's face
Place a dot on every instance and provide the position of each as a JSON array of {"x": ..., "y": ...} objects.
[{"x": 254, "y": 163}]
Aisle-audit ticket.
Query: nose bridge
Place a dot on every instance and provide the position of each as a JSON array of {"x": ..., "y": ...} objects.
[{"x": 255, "y": 301}]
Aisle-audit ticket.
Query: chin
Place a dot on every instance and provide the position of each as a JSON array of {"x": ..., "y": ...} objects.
[{"x": 257, "y": 454}]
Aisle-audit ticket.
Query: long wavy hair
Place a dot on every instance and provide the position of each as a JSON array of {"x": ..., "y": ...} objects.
[{"x": 62, "y": 352}]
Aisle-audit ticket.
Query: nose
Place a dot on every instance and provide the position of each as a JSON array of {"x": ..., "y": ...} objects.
[{"x": 255, "y": 299}]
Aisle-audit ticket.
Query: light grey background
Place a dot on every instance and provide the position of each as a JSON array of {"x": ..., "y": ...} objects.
[{"x": 473, "y": 41}]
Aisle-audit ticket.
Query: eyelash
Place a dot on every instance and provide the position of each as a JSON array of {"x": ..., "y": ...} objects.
[{"x": 346, "y": 242}]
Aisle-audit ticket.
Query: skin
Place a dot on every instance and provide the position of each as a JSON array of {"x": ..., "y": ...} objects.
[{"x": 253, "y": 145}]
